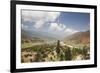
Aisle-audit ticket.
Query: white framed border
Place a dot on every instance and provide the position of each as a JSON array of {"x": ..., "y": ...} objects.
[{"x": 20, "y": 65}]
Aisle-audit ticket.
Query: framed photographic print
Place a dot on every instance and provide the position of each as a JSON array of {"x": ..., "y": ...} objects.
[{"x": 52, "y": 36}]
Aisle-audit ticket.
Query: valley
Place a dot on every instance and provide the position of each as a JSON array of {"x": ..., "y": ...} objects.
[{"x": 39, "y": 49}]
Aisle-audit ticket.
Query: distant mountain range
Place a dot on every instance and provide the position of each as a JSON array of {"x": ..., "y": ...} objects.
[
  {"x": 35, "y": 35},
  {"x": 79, "y": 38},
  {"x": 76, "y": 38},
  {"x": 27, "y": 35}
]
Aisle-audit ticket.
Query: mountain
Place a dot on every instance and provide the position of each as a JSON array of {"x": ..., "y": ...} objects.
[
  {"x": 36, "y": 35},
  {"x": 79, "y": 38},
  {"x": 27, "y": 37}
]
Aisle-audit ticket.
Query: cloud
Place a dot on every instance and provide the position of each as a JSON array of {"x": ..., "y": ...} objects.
[
  {"x": 39, "y": 18},
  {"x": 70, "y": 31},
  {"x": 39, "y": 24},
  {"x": 61, "y": 28},
  {"x": 57, "y": 27},
  {"x": 24, "y": 26},
  {"x": 42, "y": 19}
]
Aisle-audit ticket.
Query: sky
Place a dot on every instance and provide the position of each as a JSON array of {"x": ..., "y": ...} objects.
[{"x": 56, "y": 23}]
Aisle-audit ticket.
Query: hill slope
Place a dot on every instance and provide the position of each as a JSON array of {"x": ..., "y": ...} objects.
[{"x": 79, "y": 38}]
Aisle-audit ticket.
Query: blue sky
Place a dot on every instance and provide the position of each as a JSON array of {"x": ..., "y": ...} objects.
[
  {"x": 56, "y": 23},
  {"x": 77, "y": 21}
]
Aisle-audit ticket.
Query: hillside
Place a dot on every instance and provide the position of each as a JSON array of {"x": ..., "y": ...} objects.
[
  {"x": 79, "y": 38},
  {"x": 36, "y": 36}
]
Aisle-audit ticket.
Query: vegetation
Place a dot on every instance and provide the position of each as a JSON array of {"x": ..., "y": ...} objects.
[{"x": 53, "y": 52}]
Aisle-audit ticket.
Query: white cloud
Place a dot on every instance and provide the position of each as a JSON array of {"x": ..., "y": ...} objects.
[
  {"x": 57, "y": 27},
  {"x": 24, "y": 26},
  {"x": 70, "y": 31},
  {"x": 39, "y": 24},
  {"x": 39, "y": 17},
  {"x": 61, "y": 28}
]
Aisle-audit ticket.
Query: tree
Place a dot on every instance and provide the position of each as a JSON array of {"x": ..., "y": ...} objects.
[
  {"x": 68, "y": 55},
  {"x": 85, "y": 50}
]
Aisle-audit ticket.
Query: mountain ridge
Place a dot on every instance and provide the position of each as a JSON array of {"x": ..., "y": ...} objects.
[{"x": 79, "y": 37}]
